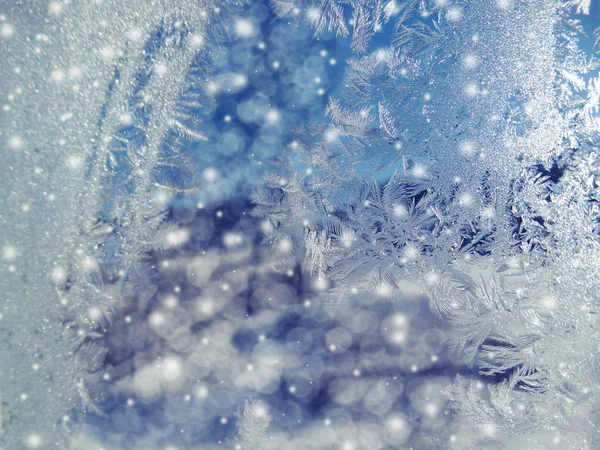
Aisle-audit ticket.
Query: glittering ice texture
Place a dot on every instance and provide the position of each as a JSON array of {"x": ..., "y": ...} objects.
[{"x": 333, "y": 224}]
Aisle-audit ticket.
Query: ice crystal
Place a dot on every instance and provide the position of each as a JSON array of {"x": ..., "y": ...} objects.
[
  {"x": 106, "y": 99},
  {"x": 491, "y": 111},
  {"x": 455, "y": 165}
]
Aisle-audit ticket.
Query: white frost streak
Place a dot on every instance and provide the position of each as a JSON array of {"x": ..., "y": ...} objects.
[{"x": 50, "y": 210}]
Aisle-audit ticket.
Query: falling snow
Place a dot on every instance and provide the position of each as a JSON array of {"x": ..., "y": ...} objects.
[{"x": 287, "y": 224}]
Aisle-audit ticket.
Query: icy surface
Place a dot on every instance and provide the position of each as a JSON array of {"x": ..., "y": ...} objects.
[{"x": 341, "y": 224}]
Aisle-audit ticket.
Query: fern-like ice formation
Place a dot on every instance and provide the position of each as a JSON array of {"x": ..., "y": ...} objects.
[
  {"x": 103, "y": 100},
  {"x": 463, "y": 156},
  {"x": 460, "y": 156}
]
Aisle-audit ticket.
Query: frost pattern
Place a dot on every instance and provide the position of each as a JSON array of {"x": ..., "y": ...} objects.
[
  {"x": 459, "y": 161},
  {"x": 115, "y": 95},
  {"x": 463, "y": 157}
]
